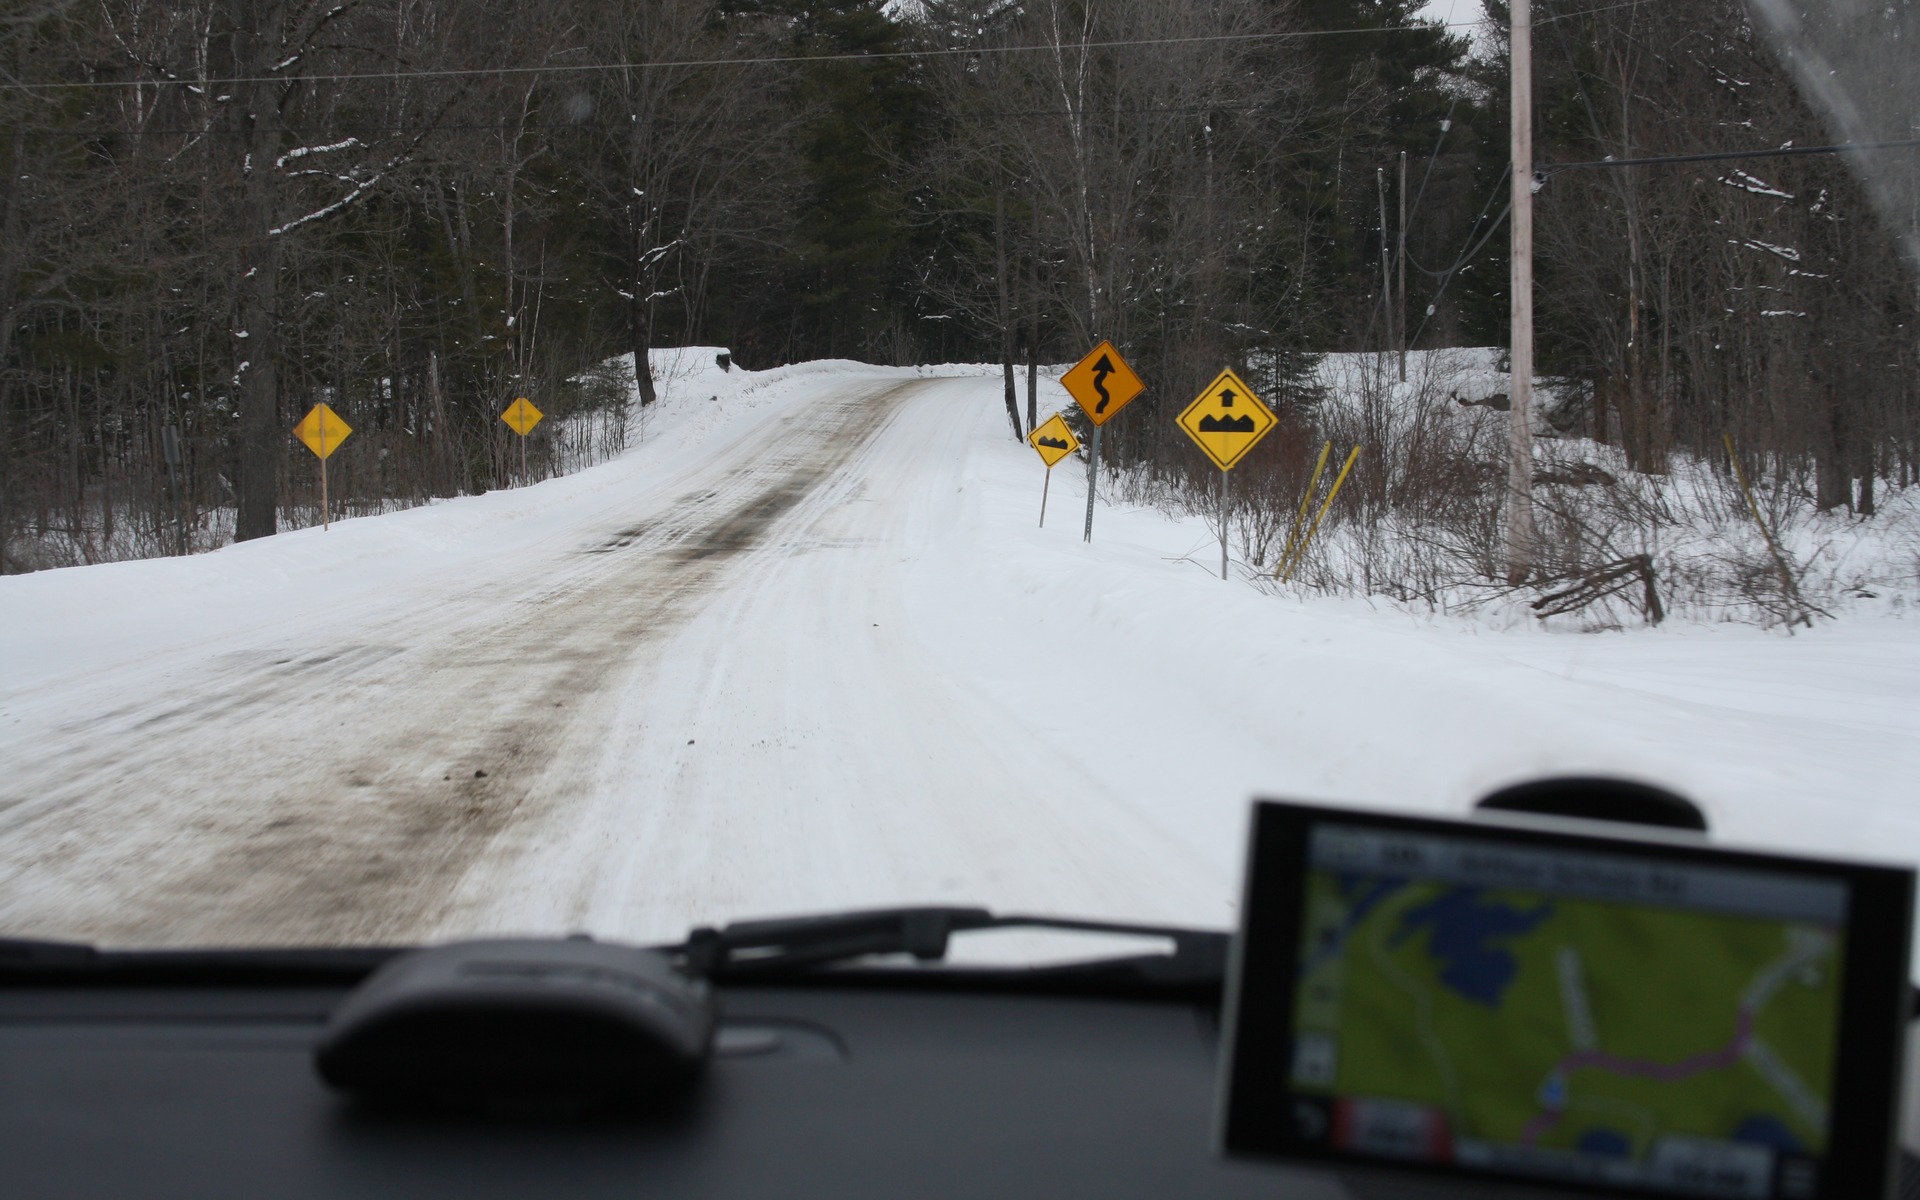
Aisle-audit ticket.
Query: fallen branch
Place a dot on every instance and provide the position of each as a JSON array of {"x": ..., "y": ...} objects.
[{"x": 1608, "y": 580}]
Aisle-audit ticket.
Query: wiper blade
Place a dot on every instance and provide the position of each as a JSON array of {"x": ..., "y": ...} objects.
[
  {"x": 748, "y": 951},
  {"x": 26, "y": 961},
  {"x": 27, "y": 954}
]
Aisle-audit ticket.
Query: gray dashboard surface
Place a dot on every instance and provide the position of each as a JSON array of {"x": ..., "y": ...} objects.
[{"x": 836, "y": 1093}]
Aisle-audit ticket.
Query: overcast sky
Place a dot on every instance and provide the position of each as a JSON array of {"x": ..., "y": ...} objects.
[{"x": 1453, "y": 10}]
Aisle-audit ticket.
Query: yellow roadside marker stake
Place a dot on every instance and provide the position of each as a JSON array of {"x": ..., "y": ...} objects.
[
  {"x": 1306, "y": 502},
  {"x": 1301, "y": 554}
]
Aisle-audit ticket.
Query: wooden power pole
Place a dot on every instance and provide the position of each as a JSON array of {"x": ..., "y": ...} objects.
[
  {"x": 1520, "y": 529},
  {"x": 1400, "y": 266}
]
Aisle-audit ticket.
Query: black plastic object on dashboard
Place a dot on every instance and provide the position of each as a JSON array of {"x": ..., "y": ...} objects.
[
  {"x": 521, "y": 1025},
  {"x": 1598, "y": 798}
]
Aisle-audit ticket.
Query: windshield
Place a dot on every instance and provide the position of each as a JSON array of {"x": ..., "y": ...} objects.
[{"x": 611, "y": 467}]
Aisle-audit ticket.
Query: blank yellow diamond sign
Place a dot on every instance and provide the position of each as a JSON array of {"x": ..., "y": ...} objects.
[
  {"x": 1053, "y": 440},
  {"x": 1226, "y": 420},
  {"x": 322, "y": 430},
  {"x": 522, "y": 416}
]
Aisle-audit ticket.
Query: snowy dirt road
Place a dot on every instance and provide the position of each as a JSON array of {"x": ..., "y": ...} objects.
[
  {"x": 335, "y": 782},
  {"x": 804, "y": 648},
  {"x": 683, "y": 709}
]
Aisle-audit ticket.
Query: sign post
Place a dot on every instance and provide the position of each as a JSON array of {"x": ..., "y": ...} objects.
[
  {"x": 170, "y": 448},
  {"x": 1053, "y": 441},
  {"x": 1101, "y": 384},
  {"x": 1226, "y": 420},
  {"x": 521, "y": 416},
  {"x": 322, "y": 430}
]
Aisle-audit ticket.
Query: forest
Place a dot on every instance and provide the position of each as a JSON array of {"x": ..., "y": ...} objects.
[{"x": 217, "y": 213}]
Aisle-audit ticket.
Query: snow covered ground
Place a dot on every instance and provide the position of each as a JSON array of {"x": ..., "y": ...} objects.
[{"x": 804, "y": 647}]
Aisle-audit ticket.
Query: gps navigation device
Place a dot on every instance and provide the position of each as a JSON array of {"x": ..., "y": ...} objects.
[{"x": 1564, "y": 1005}]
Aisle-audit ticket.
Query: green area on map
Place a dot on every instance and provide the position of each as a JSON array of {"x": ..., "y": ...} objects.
[{"x": 1570, "y": 1023}]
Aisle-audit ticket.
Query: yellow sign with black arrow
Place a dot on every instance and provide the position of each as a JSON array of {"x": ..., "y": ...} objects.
[
  {"x": 1226, "y": 420},
  {"x": 1053, "y": 441},
  {"x": 1102, "y": 383}
]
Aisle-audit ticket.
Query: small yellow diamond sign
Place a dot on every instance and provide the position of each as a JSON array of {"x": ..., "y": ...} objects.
[
  {"x": 521, "y": 416},
  {"x": 1226, "y": 420},
  {"x": 1053, "y": 440},
  {"x": 322, "y": 430}
]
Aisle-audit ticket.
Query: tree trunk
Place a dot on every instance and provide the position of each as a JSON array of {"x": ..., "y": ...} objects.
[
  {"x": 1832, "y": 479},
  {"x": 640, "y": 311},
  {"x": 9, "y": 319},
  {"x": 1006, "y": 306},
  {"x": 1033, "y": 324},
  {"x": 256, "y": 469}
]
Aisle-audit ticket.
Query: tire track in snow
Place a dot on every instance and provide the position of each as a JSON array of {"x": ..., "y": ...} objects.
[{"x": 338, "y": 794}]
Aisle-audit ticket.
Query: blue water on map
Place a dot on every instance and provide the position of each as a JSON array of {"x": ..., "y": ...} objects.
[
  {"x": 1768, "y": 1131},
  {"x": 1607, "y": 1143},
  {"x": 1461, "y": 929},
  {"x": 1362, "y": 892}
]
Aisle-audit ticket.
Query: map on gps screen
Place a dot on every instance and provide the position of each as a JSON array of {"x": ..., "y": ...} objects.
[{"x": 1568, "y": 1015}]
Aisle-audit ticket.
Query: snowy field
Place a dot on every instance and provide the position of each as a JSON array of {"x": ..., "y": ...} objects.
[{"x": 803, "y": 647}]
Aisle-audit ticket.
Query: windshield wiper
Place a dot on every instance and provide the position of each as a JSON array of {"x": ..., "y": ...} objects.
[
  {"x": 826, "y": 948},
  {"x": 26, "y": 961},
  {"x": 829, "y": 947}
]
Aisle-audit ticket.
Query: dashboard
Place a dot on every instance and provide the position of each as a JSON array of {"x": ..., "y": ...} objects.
[{"x": 854, "y": 1092}]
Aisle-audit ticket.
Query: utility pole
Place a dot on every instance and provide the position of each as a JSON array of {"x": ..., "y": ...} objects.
[
  {"x": 1520, "y": 532},
  {"x": 1386, "y": 261},
  {"x": 1400, "y": 257}
]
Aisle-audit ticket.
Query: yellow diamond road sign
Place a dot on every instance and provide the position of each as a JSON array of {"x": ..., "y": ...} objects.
[
  {"x": 1102, "y": 383},
  {"x": 322, "y": 430},
  {"x": 1226, "y": 420},
  {"x": 522, "y": 416},
  {"x": 1053, "y": 440}
]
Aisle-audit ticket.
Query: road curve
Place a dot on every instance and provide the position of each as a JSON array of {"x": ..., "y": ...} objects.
[{"x": 298, "y": 794}]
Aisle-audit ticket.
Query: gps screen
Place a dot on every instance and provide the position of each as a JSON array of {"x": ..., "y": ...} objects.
[{"x": 1567, "y": 1015}]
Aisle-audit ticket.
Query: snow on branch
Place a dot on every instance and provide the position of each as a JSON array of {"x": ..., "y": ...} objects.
[
  {"x": 1786, "y": 252},
  {"x": 649, "y": 257},
  {"x": 322, "y": 214},
  {"x": 303, "y": 151},
  {"x": 1758, "y": 187}
]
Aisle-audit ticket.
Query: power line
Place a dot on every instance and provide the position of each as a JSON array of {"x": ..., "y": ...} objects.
[
  {"x": 758, "y": 60},
  {"x": 1548, "y": 171},
  {"x": 1446, "y": 277},
  {"x": 103, "y": 131}
]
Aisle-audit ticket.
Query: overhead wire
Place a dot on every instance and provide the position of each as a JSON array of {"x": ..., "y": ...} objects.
[
  {"x": 774, "y": 59},
  {"x": 1446, "y": 277}
]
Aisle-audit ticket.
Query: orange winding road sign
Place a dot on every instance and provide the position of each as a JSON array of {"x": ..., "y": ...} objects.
[{"x": 1102, "y": 383}]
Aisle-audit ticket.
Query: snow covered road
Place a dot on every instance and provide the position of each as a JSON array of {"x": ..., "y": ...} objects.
[
  {"x": 333, "y": 774},
  {"x": 804, "y": 649}
]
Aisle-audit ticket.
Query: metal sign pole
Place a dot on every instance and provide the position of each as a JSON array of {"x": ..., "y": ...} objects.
[
  {"x": 326, "y": 510},
  {"x": 1093, "y": 479},
  {"x": 1043, "y": 497},
  {"x": 525, "y": 478},
  {"x": 1223, "y": 523},
  {"x": 170, "y": 445}
]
